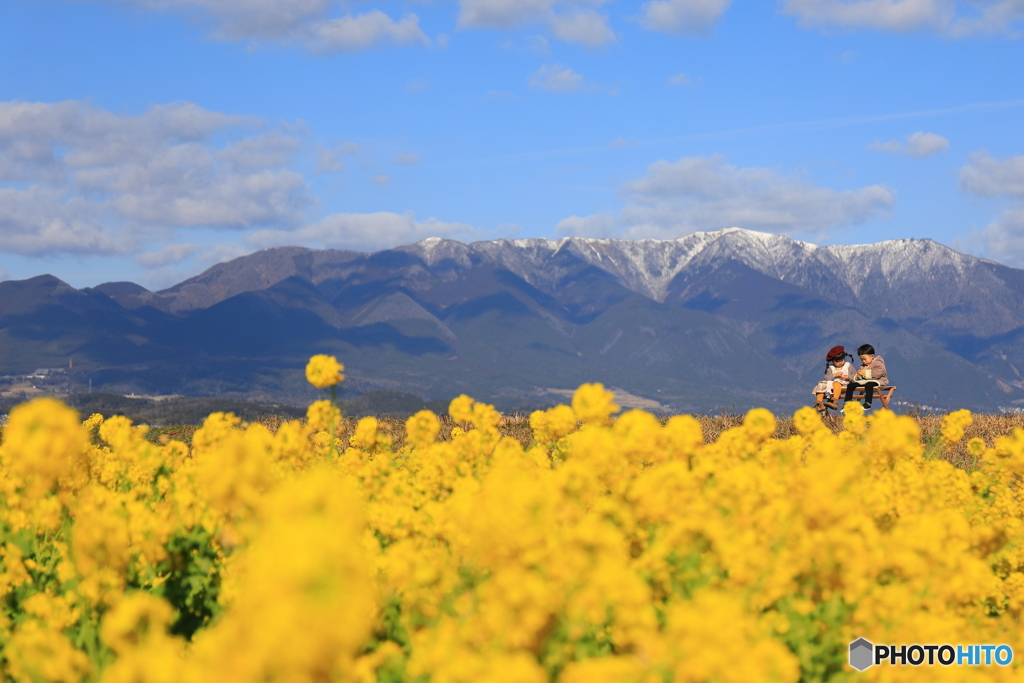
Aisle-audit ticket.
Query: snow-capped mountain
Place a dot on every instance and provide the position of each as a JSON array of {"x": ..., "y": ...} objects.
[
  {"x": 730, "y": 317},
  {"x": 901, "y": 278}
]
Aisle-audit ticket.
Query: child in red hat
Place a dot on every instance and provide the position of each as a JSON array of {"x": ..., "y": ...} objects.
[{"x": 838, "y": 371}]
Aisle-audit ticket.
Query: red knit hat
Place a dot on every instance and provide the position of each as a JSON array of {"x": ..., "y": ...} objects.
[{"x": 835, "y": 352}]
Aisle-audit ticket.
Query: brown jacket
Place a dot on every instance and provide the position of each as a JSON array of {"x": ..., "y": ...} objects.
[{"x": 877, "y": 368}]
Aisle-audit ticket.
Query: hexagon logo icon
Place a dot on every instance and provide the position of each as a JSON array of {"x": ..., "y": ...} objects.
[{"x": 861, "y": 652}]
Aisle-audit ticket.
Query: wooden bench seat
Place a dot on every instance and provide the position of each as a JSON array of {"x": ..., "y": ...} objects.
[{"x": 881, "y": 394}]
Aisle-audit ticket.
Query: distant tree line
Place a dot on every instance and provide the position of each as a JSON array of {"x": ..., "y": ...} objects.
[
  {"x": 179, "y": 410},
  {"x": 189, "y": 410}
]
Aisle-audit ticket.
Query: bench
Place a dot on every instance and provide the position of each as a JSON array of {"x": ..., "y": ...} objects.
[{"x": 881, "y": 394}]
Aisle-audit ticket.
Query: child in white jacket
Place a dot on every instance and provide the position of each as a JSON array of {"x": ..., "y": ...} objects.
[{"x": 838, "y": 371}]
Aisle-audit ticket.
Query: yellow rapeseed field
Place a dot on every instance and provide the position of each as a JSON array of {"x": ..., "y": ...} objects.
[{"x": 625, "y": 550}]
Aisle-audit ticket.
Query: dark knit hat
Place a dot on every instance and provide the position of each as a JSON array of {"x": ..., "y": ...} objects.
[{"x": 835, "y": 352}]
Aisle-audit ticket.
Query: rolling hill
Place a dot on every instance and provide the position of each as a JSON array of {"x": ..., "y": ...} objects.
[{"x": 730, "y": 318}]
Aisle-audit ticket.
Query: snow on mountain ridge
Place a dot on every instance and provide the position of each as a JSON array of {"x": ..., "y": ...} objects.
[
  {"x": 898, "y": 261},
  {"x": 648, "y": 266}
]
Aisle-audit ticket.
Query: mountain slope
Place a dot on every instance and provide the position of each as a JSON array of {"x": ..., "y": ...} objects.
[{"x": 724, "y": 318}]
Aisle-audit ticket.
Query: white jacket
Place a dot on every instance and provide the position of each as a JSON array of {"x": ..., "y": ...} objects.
[{"x": 834, "y": 374}]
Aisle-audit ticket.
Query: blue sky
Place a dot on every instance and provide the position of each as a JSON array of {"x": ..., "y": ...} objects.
[{"x": 146, "y": 140}]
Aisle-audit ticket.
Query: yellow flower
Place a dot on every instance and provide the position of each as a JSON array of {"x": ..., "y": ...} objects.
[
  {"x": 421, "y": 429},
  {"x": 56, "y": 611},
  {"x": 135, "y": 618},
  {"x": 480, "y": 415},
  {"x": 461, "y": 408},
  {"x": 42, "y": 440},
  {"x": 808, "y": 422},
  {"x": 36, "y": 653},
  {"x": 365, "y": 436},
  {"x": 323, "y": 416},
  {"x": 854, "y": 420},
  {"x": 681, "y": 437},
  {"x": 620, "y": 669},
  {"x": 304, "y": 606},
  {"x": 955, "y": 424},
  {"x": 593, "y": 404},
  {"x": 723, "y": 641},
  {"x": 976, "y": 447},
  {"x": 95, "y": 420},
  {"x": 633, "y": 552},
  {"x": 551, "y": 425},
  {"x": 760, "y": 424},
  {"x": 324, "y": 371}
]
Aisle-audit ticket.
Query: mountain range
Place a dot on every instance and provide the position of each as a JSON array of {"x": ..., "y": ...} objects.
[{"x": 726, "y": 319}]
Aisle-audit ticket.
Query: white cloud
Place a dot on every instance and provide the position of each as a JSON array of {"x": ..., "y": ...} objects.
[
  {"x": 894, "y": 15},
  {"x": 682, "y": 16},
  {"x": 919, "y": 144},
  {"x": 77, "y": 179},
  {"x": 680, "y": 79},
  {"x": 536, "y": 45},
  {"x": 329, "y": 161},
  {"x": 353, "y": 33},
  {"x": 1003, "y": 238},
  {"x": 995, "y": 18},
  {"x": 272, "y": 149},
  {"x": 948, "y": 17},
  {"x": 503, "y": 13},
  {"x": 894, "y": 146},
  {"x": 407, "y": 159},
  {"x": 556, "y": 78},
  {"x": 599, "y": 225},
  {"x": 574, "y": 25},
  {"x": 39, "y": 221},
  {"x": 539, "y": 45},
  {"x": 225, "y": 200},
  {"x": 990, "y": 177},
  {"x": 499, "y": 96},
  {"x": 706, "y": 193},
  {"x": 303, "y": 22},
  {"x": 624, "y": 143},
  {"x": 219, "y": 253},
  {"x": 380, "y": 180},
  {"x": 246, "y": 19},
  {"x": 367, "y": 231},
  {"x": 32, "y": 135},
  {"x": 167, "y": 254},
  {"x": 585, "y": 27}
]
